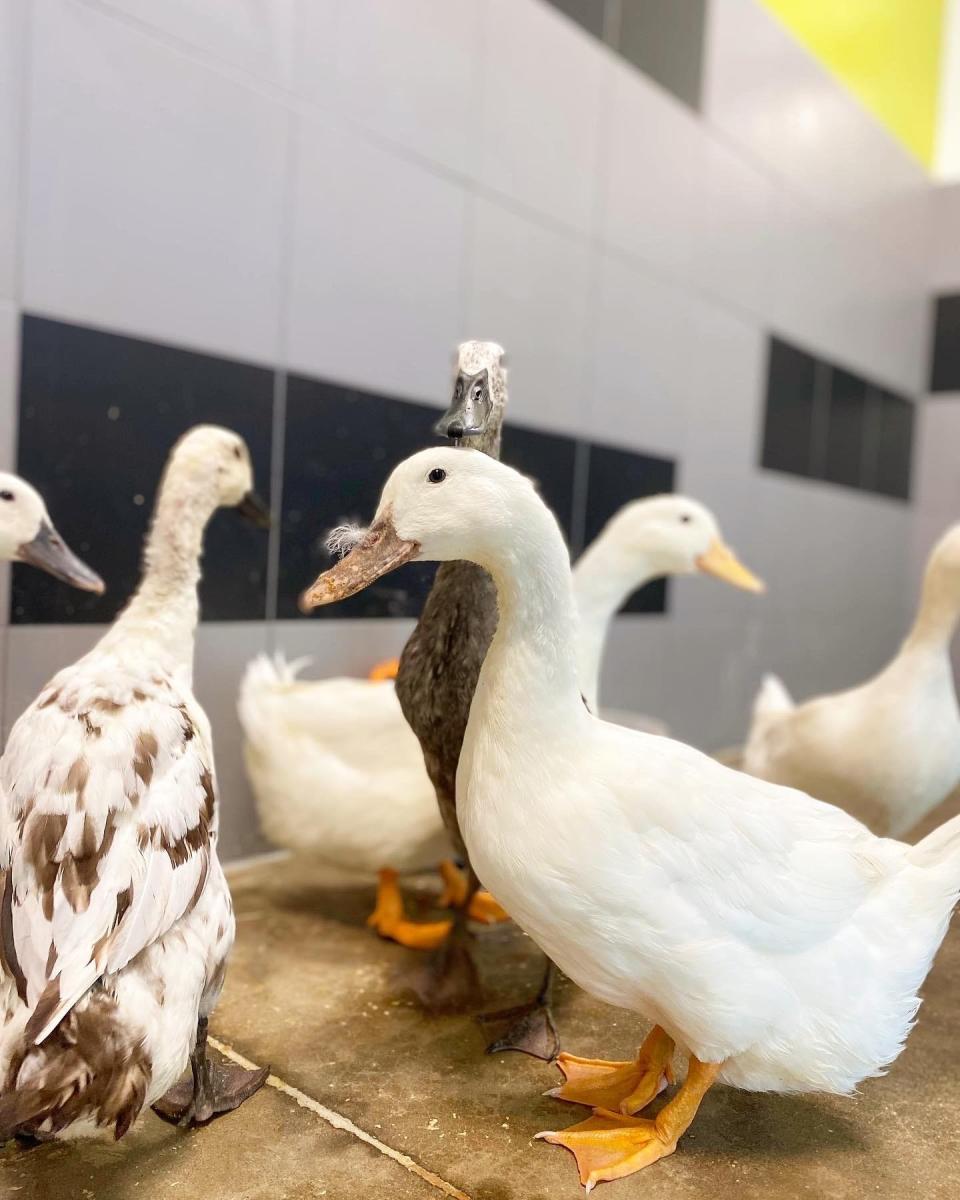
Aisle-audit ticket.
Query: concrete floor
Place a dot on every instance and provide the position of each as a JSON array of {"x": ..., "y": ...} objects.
[{"x": 370, "y": 1098}]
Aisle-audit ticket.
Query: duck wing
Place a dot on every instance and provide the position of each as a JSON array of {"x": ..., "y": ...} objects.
[{"x": 108, "y": 830}]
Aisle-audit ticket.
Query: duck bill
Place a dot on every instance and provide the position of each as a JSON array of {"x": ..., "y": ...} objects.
[
  {"x": 255, "y": 509},
  {"x": 470, "y": 410},
  {"x": 721, "y": 562},
  {"x": 50, "y": 553},
  {"x": 380, "y": 550}
]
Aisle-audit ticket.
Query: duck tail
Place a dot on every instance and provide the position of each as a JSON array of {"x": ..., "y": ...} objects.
[
  {"x": 91, "y": 1068},
  {"x": 263, "y": 679},
  {"x": 771, "y": 699}
]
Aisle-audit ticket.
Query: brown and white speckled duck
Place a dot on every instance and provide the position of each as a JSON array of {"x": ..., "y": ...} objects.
[{"x": 115, "y": 917}]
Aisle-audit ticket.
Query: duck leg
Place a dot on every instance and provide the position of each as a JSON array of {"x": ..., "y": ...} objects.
[
  {"x": 450, "y": 982},
  {"x": 483, "y": 907},
  {"x": 610, "y": 1145},
  {"x": 216, "y": 1087},
  {"x": 625, "y": 1087},
  {"x": 389, "y": 919},
  {"x": 532, "y": 1030}
]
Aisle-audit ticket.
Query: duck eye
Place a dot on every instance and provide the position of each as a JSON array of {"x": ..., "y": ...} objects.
[
  {"x": 236, "y": 452},
  {"x": 437, "y": 475},
  {"x": 685, "y": 518},
  {"x": 6, "y": 495}
]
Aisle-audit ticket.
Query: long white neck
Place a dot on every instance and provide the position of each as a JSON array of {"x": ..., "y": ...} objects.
[
  {"x": 529, "y": 686},
  {"x": 938, "y": 614},
  {"x": 165, "y": 608},
  {"x": 603, "y": 578}
]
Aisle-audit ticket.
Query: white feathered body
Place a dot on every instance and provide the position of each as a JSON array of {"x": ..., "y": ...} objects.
[
  {"x": 338, "y": 772},
  {"x": 888, "y": 751},
  {"x": 758, "y": 926},
  {"x": 115, "y": 906}
]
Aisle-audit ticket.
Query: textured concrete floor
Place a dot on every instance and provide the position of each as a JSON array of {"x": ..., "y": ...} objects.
[{"x": 312, "y": 992}]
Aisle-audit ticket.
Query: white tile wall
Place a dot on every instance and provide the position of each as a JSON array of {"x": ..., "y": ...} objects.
[
  {"x": 255, "y": 35},
  {"x": 155, "y": 189},
  {"x": 407, "y": 72},
  {"x": 540, "y": 110},
  {"x": 350, "y": 186},
  {"x": 945, "y": 239},
  {"x": 13, "y": 42},
  {"x": 530, "y": 288},
  {"x": 9, "y": 374},
  {"x": 377, "y": 244}
]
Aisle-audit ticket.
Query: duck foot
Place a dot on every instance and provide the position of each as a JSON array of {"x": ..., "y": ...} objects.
[
  {"x": 609, "y": 1145},
  {"x": 390, "y": 921},
  {"x": 216, "y": 1087},
  {"x": 482, "y": 906},
  {"x": 624, "y": 1087},
  {"x": 532, "y": 1030},
  {"x": 449, "y": 982}
]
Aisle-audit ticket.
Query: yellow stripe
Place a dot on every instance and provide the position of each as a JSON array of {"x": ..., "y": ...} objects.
[{"x": 887, "y": 52}]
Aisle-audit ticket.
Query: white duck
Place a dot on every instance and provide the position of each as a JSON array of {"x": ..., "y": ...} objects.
[
  {"x": 115, "y": 918},
  {"x": 27, "y": 535},
  {"x": 887, "y": 751},
  {"x": 308, "y": 743},
  {"x": 770, "y": 936}
]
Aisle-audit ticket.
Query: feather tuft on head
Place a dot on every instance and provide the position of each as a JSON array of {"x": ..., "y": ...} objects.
[{"x": 342, "y": 539}]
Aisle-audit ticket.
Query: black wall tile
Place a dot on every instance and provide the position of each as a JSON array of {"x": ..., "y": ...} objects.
[
  {"x": 664, "y": 38},
  {"x": 789, "y": 419},
  {"x": 588, "y": 13},
  {"x": 894, "y": 446},
  {"x": 99, "y": 413},
  {"x": 846, "y": 429},
  {"x": 341, "y": 444},
  {"x": 614, "y": 478},
  {"x": 945, "y": 375}
]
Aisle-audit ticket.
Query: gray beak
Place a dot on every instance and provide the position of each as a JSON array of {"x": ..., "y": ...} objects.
[
  {"x": 50, "y": 553},
  {"x": 254, "y": 508},
  {"x": 469, "y": 411}
]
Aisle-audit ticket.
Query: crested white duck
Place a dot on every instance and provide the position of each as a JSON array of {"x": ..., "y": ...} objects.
[
  {"x": 308, "y": 743},
  {"x": 770, "y": 936},
  {"x": 115, "y": 917},
  {"x": 887, "y": 751},
  {"x": 27, "y": 535}
]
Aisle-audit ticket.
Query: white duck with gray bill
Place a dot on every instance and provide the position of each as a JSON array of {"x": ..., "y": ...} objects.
[
  {"x": 770, "y": 936},
  {"x": 115, "y": 917}
]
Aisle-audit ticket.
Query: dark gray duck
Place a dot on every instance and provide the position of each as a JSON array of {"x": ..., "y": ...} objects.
[{"x": 435, "y": 683}]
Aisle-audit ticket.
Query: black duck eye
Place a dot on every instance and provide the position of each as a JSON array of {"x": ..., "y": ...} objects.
[
  {"x": 437, "y": 475},
  {"x": 685, "y": 518},
  {"x": 237, "y": 452},
  {"x": 6, "y": 495}
]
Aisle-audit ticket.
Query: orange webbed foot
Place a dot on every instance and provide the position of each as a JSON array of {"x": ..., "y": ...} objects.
[
  {"x": 625, "y": 1087},
  {"x": 609, "y": 1145},
  {"x": 390, "y": 921}
]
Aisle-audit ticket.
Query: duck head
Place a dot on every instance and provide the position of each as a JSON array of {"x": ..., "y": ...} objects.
[
  {"x": 475, "y": 414},
  {"x": 213, "y": 465},
  {"x": 673, "y": 535},
  {"x": 27, "y": 535},
  {"x": 438, "y": 505}
]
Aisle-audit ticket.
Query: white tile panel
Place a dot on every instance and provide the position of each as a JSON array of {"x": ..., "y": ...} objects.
[
  {"x": 155, "y": 189},
  {"x": 408, "y": 72},
  {"x": 655, "y": 175},
  {"x": 255, "y": 35},
  {"x": 945, "y": 248},
  {"x": 13, "y": 27},
  {"x": 377, "y": 249},
  {"x": 9, "y": 380},
  {"x": 541, "y": 108},
  {"x": 766, "y": 91},
  {"x": 530, "y": 290}
]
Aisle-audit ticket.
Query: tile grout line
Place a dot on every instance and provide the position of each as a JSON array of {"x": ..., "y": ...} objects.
[{"x": 338, "y": 1121}]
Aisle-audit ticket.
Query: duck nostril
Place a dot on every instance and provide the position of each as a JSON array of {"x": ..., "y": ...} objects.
[{"x": 455, "y": 430}]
